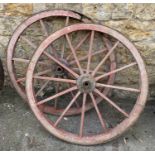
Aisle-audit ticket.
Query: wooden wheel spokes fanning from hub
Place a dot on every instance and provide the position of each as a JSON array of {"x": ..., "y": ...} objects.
[{"x": 85, "y": 81}]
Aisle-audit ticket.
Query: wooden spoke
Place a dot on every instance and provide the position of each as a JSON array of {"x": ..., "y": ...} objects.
[
  {"x": 21, "y": 60},
  {"x": 90, "y": 51},
  {"x": 56, "y": 91},
  {"x": 112, "y": 103},
  {"x": 98, "y": 112},
  {"x": 67, "y": 108},
  {"x": 82, "y": 114},
  {"x": 63, "y": 49},
  {"x": 21, "y": 80},
  {"x": 42, "y": 88},
  {"x": 27, "y": 61},
  {"x": 57, "y": 95},
  {"x": 44, "y": 28},
  {"x": 105, "y": 58},
  {"x": 117, "y": 87},
  {"x": 79, "y": 44},
  {"x": 74, "y": 53},
  {"x": 29, "y": 42},
  {"x": 76, "y": 69},
  {"x": 36, "y": 74},
  {"x": 72, "y": 94},
  {"x": 55, "y": 79},
  {"x": 67, "y": 21},
  {"x": 64, "y": 41},
  {"x": 86, "y": 57},
  {"x": 115, "y": 71},
  {"x": 107, "y": 43}
]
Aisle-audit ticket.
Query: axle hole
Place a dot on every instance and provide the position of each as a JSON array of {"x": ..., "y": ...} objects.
[
  {"x": 59, "y": 69},
  {"x": 86, "y": 84}
]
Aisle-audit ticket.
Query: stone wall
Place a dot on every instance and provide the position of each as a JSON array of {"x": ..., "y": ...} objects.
[{"x": 136, "y": 21}]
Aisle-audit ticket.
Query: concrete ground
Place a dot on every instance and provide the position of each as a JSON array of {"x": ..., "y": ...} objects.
[{"x": 19, "y": 129}]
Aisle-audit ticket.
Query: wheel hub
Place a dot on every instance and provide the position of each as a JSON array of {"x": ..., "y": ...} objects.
[
  {"x": 86, "y": 83},
  {"x": 59, "y": 70}
]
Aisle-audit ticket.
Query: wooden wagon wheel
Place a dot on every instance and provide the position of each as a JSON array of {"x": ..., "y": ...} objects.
[
  {"x": 21, "y": 34},
  {"x": 87, "y": 83}
]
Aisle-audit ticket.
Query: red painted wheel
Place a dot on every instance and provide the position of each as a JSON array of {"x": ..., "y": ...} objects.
[
  {"x": 88, "y": 86},
  {"x": 21, "y": 38}
]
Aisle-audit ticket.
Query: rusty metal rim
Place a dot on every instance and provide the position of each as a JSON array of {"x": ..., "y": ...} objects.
[
  {"x": 11, "y": 48},
  {"x": 120, "y": 128}
]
